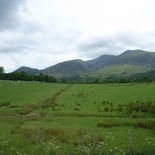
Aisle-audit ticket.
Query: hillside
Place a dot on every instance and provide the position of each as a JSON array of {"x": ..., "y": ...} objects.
[
  {"x": 78, "y": 67},
  {"x": 135, "y": 57},
  {"x": 72, "y": 67},
  {"x": 128, "y": 63},
  {"x": 67, "y": 68},
  {"x": 28, "y": 70}
]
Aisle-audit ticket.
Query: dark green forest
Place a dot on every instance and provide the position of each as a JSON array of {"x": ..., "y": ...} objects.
[{"x": 25, "y": 77}]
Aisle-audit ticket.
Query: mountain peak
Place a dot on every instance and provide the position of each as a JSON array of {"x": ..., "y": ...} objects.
[
  {"x": 136, "y": 50},
  {"x": 133, "y": 53}
]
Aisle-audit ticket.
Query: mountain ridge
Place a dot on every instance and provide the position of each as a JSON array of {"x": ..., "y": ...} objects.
[{"x": 127, "y": 63}]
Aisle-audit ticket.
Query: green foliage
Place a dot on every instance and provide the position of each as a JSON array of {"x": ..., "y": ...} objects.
[
  {"x": 140, "y": 106},
  {"x": 108, "y": 123},
  {"x": 5, "y": 104},
  {"x": 25, "y": 77},
  {"x": 1, "y": 70},
  {"x": 146, "y": 124}
]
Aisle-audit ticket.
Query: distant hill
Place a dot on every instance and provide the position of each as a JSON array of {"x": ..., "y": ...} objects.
[
  {"x": 78, "y": 67},
  {"x": 128, "y": 63},
  {"x": 67, "y": 68},
  {"x": 28, "y": 70},
  {"x": 135, "y": 57}
]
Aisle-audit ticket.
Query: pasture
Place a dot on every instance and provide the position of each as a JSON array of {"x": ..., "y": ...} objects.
[{"x": 44, "y": 118}]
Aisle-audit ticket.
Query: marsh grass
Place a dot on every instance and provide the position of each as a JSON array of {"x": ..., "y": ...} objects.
[
  {"x": 146, "y": 125},
  {"x": 108, "y": 123}
]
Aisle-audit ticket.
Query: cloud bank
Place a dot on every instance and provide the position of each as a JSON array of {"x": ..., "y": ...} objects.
[{"x": 39, "y": 34}]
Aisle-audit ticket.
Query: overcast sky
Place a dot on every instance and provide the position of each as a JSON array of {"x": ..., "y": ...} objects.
[{"x": 41, "y": 33}]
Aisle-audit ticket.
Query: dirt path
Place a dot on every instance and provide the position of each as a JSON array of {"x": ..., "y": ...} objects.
[{"x": 50, "y": 102}]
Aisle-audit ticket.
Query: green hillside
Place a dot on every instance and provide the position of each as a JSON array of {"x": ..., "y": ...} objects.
[{"x": 121, "y": 70}]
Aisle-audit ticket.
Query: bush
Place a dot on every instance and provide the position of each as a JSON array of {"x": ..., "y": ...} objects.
[
  {"x": 106, "y": 109},
  {"x": 5, "y": 104},
  {"x": 144, "y": 107},
  {"x": 146, "y": 124},
  {"x": 108, "y": 124}
]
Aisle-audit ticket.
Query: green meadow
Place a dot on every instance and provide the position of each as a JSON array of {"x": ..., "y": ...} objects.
[{"x": 67, "y": 119}]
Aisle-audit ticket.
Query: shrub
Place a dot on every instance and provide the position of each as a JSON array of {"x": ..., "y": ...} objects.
[
  {"x": 106, "y": 109},
  {"x": 5, "y": 104},
  {"x": 120, "y": 108},
  {"x": 135, "y": 114},
  {"x": 76, "y": 109},
  {"x": 108, "y": 124},
  {"x": 144, "y": 107},
  {"x": 146, "y": 124},
  {"x": 53, "y": 131}
]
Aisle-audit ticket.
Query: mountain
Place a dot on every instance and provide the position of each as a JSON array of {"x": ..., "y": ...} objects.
[
  {"x": 128, "y": 63},
  {"x": 100, "y": 62},
  {"x": 28, "y": 70},
  {"x": 78, "y": 67},
  {"x": 67, "y": 68},
  {"x": 72, "y": 68},
  {"x": 135, "y": 57}
]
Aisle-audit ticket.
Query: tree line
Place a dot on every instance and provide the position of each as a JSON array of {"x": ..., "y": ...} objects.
[
  {"x": 25, "y": 77},
  {"x": 112, "y": 79},
  {"x": 76, "y": 79}
]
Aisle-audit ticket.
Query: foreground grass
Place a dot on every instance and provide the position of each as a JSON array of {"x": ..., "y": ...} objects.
[
  {"x": 64, "y": 134},
  {"x": 75, "y": 119}
]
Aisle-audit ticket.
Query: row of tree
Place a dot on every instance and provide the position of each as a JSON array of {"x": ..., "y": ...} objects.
[
  {"x": 25, "y": 77},
  {"x": 138, "y": 79},
  {"x": 75, "y": 79}
]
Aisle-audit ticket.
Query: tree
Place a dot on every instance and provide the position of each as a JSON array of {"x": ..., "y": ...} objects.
[{"x": 1, "y": 70}]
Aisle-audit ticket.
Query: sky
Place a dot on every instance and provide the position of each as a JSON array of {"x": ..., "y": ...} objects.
[{"x": 42, "y": 33}]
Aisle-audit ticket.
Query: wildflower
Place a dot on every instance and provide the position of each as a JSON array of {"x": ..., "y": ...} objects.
[{"x": 110, "y": 150}]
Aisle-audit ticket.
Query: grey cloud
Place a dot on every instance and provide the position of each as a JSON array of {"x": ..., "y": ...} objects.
[
  {"x": 90, "y": 47},
  {"x": 9, "y": 13},
  {"x": 15, "y": 42},
  {"x": 93, "y": 43}
]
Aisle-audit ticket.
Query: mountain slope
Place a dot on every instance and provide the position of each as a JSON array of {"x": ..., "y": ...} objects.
[
  {"x": 135, "y": 57},
  {"x": 28, "y": 70},
  {"x": 78, "y": 67},
  {"x": 67, "y": 68},
  {"x": 126, "y": 64},
  {"x": 100, "y": 62}
]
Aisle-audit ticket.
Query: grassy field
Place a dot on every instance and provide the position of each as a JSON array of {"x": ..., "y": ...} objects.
[{"x": 43, "y": 118}]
